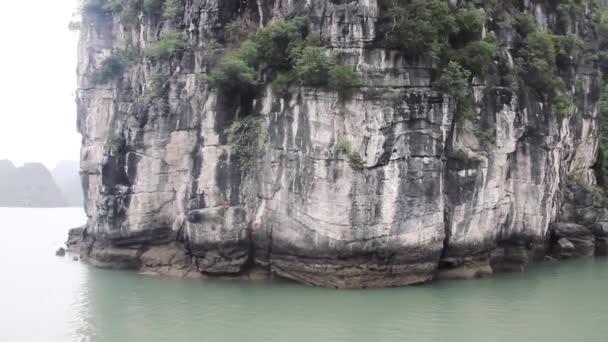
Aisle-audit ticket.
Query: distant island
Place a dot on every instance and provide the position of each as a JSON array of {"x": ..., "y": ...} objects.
[{"x": 34, "y": 186}]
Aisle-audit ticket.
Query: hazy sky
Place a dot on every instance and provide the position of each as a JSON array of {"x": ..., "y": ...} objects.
[{"x": 37, "y": 82}]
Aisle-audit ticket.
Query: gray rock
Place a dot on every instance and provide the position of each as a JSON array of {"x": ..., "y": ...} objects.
[
  {"x": 571, "y": 240},
  {"x": 564, "y": 249},
  {"x": 600, "y": 229},
  {"x": 164, "y": 192}
]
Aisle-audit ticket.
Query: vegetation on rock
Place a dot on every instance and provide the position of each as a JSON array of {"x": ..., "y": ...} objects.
[
  {"x": 246, "y": 137},
  {"x": 282, "y": 54},
  {"x": 173, "y": 9},
  {"x": 113, "y": 66},
  {"x": 454, "y": 81},
  {"x": 166, "y": 46}
]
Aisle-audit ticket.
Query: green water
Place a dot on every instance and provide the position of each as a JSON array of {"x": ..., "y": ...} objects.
[{"x": 44, "y": 298}]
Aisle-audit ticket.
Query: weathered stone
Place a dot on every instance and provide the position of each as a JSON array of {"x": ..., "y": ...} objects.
[
  {"x": 219, "y": 239},
  {"x": 600, "y": 229},
  {"x": 469, "y": 269},
  {"x": 570, "y": 240},
  {"x": 108, "y": 256},
  {"x": 166, "y": 194},
  {"x": 564, "y": 249}
]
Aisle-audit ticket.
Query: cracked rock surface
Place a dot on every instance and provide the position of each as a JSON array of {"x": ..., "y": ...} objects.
[{"x": 164, "y": 193}]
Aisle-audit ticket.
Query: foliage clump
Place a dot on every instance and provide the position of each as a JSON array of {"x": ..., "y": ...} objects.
[
  {"x": 570, "y": 11},
  {"x": 567, "y": 49},
  {"x": 173, "y": 9},
  {"x": 454, "y": 81},
  {"x": 167, "y": 46},
  {"x": 281, "y": 53},
  {"x": 233, "y": 73},
  {"x": 478, "y": 55},
  {"x": 112, "y": 67},
  {"x": 562, "y": 107},
  {"x": 419, "y": 26},
  {"x": 355, "y": 160},
  {"x": 246, "y": 137},
  {"x": 537, "y": 61},
  {"x": 152, "y": 7},
  {"x": 344, "y": 147},
  {"x": 155, "y": 90},
  {"x": 343, "y": 78}
]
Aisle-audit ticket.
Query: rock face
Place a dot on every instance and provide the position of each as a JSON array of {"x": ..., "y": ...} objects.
[
  {"x": 28, "y": 186},
  {"x": 163, "y": 191}
]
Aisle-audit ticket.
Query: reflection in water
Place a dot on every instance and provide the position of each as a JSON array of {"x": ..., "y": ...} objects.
[{"x": 68, "y": 301}]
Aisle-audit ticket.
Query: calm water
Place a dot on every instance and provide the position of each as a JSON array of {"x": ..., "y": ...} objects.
[{"x": 45, "y": 298}]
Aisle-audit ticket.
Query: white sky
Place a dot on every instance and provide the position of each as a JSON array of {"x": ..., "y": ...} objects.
[{"x": 37, "y": 82}]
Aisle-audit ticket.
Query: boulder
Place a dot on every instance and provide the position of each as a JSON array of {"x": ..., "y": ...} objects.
[
  {"x": 600, "y": 230},
  {"x": 569, "y": 240}
]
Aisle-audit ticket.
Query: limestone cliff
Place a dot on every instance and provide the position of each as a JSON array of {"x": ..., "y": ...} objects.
[{"x": 429, "y": 198}]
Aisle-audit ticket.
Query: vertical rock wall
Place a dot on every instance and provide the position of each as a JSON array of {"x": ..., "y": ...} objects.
[{"x": 164, "y": 193}]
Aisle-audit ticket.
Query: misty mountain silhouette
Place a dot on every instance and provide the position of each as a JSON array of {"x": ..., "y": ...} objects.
[{"x": 33, "y": 185}]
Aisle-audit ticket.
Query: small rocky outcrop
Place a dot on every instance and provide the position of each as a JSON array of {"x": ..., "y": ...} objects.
[
  {"x": 600, "y": 229},
  {"x": 569, "y": 240}
]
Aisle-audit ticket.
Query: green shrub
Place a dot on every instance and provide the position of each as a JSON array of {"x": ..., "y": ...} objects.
[
  {"x": 246, "y": 138},
  {"x": 470, "y": 20},
  {"x": 601, "y": 27},
  {"x": 525, "y": 24},
  {"x": 279, "y": 45},
  {"x": 356, "y": 161},
  {"x": 570, "y": 11},
  {"x": 454, "y": 81},
  {"x": 537, "y": 60},
  {"x": 283, "y": 80},
  {"x": 130, "y": 11},
  {"x": 173, "y": 9},
  {"x": 567, "y": 49},
  {"x": 478, "y": 55},
  {"x": 155, "y": 90},
  {"x": 113, "y": 66},
  {"x": 232, "y": 73},
  {"x": 488, "y": 137},
  {"x": 344, "y": 147},
  {"x": 343, "y": 78},
  {"x": 239, "y": 30},
  {"x": 152, "y": 7},
  {"x": 167, "y": 46},
  {"x": 417, "y": 27},
  {"x": 283, "y": 50},
  {"x": 562, "y": 107},
  {"x": 313, "y": 65}
]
